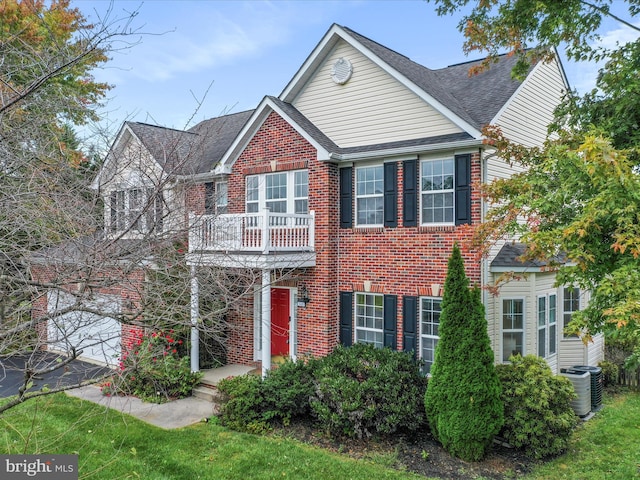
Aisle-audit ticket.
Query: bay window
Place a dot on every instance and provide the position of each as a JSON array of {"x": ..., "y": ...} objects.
[
  {"x": 512, "y": 328},
  {"x": 547, "y": 325}
]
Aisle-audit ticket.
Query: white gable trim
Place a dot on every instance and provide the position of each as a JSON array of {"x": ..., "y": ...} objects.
[
  {"x": 112, "y": 156},
  {"x": 251, "y": 128},
  {"x": 324, "y": 48}
]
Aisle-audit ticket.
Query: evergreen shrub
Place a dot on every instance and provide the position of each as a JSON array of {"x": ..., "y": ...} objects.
[
  {"x": 462, "y": 401},
  {"x": 538, "y": 417},
  {"x": 362, "y": 390}
]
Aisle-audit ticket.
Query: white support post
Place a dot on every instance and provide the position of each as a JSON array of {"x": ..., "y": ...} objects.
[
  {"x": 266, "y": 322},
  {"x": 266, "y": 234},
  {"x": 195, "y": 318}
]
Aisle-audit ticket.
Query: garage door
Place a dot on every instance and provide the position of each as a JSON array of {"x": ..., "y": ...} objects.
[{"x": 98, "y": 336}]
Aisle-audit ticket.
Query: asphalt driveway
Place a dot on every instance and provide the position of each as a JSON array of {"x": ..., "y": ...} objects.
[{"x": 12, "y": 372}]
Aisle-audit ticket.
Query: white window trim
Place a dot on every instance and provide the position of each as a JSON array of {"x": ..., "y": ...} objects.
[
  {"x": 422, "y": 335},
  {"x": 221, "y": 208},
  {"x": 147, "y": 208},
  {"x": 561, "y": 322},
  {"x": 358, "y": 197},
  {"x": 356, "y": 328},
  {"x": 421, "y": 193},
  {"x": 262, "y": 190},
  {"x": 503, "y": 330},
  {"x": 547, "y": 324}
]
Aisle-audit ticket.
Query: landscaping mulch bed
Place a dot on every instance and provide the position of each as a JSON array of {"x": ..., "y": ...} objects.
[{"x": 416, "y": 452}]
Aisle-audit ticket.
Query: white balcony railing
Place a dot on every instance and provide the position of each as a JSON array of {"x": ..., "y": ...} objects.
[{"x": 264, "y": 232}]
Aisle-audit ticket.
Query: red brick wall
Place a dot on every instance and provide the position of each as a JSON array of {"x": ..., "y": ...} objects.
[
  {"x": 398, "y": 261},
  {"x": 405, "y": 261}
]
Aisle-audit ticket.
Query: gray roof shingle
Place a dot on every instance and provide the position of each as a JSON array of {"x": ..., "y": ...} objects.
[
  {"x": 474, "y": 99},
  {"x": 194, "y": 151},
  {"x": 510, "y": 255}
]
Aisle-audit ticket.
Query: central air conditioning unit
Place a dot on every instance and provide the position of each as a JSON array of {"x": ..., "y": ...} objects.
[
  {"x": 597, "y": 383},
  {"x": 582, "y": 385}
]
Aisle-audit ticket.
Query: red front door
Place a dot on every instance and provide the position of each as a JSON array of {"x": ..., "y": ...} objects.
[{"x": 280, "y": 321}]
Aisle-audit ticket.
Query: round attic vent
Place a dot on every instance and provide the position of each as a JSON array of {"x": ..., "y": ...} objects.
[{"x": 341, "y": 71}]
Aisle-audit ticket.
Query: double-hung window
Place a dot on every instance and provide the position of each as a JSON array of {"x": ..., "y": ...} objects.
[
  {"x": 216, "y": 198},
  {"x": 437, "y": 191},
  {"x": 512, "y": 328},
  {"x": 369, "y": 319},
  {"x": 370, "y": 195},
  {"x": 571, "y": 304},
  {"x": 430, "y": 309},
  {"x": 281, "y": 192},
  {"x": 547, "y": 325},
  {"x": 137, "y": 209}
]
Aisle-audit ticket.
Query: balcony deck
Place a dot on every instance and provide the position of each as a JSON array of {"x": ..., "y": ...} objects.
[{"x": 252, "y": 240}]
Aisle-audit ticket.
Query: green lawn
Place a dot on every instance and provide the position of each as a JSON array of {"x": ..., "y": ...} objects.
[
  {"x": 606, "y": 447},
  {"x": 114, "y": 446}
]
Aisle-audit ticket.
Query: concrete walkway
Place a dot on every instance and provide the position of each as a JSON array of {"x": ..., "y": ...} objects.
[{"x": 175, "y": 414}]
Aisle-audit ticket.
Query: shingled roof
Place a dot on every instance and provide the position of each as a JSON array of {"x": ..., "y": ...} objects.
[
  {"x": 193, "y": 151},
  {"x": 475, "y": 99},
  {"x": 510, "y": 258}
]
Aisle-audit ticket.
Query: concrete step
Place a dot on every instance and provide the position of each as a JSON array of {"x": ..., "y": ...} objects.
[{"x": 204, "y": 392}]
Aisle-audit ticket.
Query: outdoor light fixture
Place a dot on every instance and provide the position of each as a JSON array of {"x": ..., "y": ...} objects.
[{"x": 303, "y": 295}]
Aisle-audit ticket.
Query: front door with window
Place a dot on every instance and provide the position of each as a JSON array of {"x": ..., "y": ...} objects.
[{"x": 280, "y": 314}]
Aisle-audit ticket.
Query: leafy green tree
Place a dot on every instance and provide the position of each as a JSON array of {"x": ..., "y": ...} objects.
[
  {"x": 577, "y": 205},
  {"x": 532, "y": 29},
  {"x": 462, "y": 400}
]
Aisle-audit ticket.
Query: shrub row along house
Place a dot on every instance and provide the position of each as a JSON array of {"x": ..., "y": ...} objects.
[{"x": 341, "y": 200}]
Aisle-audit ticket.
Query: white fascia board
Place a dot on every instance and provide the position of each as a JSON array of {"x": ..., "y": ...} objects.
[
  {"x": 250, "y": 129},
  {"x": 406, "y": 151},
  {"x": 325, "y": 46}
]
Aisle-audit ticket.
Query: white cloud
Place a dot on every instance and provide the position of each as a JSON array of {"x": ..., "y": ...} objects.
[{"x": 586, "y": 73}]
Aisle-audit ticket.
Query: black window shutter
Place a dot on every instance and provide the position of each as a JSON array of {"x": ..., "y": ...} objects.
[
  {"x": 391, "y": 194},
  {"x": 346, "y": 318},
  {"x": 463, "y": 189},
  {"x": 346, "y": 197},
  {"x": 390, "y": 318},
  {"x": 410, "y": 193},
  {"x": 113, "y": 214},
  {"x": 410, "y": 324}
]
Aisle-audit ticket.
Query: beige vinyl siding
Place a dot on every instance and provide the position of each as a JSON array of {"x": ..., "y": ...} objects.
[
  {"x": 527, "y": 287},
  {"x": 516, "y": 289},
  {"x": 529, "y": 112},
  {"x": 372, "y": 107},
  {"x": 135, "y": 167}
]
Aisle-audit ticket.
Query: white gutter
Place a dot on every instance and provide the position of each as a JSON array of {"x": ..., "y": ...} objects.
[{"x": 412, "y": 150}]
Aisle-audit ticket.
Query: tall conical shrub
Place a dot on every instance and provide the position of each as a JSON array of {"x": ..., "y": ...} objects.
[{"x": 462, "y": 402}]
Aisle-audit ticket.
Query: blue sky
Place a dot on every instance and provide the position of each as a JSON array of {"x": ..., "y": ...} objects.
[{"x": 245, "y": 50}]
